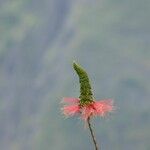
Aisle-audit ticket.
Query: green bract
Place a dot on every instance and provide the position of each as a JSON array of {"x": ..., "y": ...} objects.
[{"x": 86, "y": 96}]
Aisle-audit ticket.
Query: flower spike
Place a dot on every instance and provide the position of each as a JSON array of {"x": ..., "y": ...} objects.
[
  {"x": 86, "y": 95},
  {"x": 85, "y": 105}
]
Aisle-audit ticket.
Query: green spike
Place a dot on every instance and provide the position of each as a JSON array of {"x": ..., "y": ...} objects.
[{"x": 86, "y": 96}]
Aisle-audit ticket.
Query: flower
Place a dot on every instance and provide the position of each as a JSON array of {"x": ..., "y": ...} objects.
[
  {"x": 73, "y": 108},
  {"x": 94, "y": 108}
]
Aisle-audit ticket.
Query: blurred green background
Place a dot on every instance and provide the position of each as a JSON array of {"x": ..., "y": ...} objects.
[{"x": 39, "y": 39}]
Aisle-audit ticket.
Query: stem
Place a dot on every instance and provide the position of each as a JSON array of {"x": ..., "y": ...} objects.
[{"x": 92, "y": 134}]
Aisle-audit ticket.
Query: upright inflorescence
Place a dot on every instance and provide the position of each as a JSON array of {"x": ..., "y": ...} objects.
[{"x": 86, "y": 95}]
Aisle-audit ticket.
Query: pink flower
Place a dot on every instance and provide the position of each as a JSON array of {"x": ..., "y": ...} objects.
[
  {"x": 73, "y": 107},
  {"x": 95, "y": 108}
]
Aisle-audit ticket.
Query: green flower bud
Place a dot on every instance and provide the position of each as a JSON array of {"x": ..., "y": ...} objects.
[{"x": 86, "y": 96}]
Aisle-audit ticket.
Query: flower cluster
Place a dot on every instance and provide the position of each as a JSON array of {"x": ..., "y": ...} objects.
[
  {"x": 85, "y": 105},
  {"x": 94, "y": 108}
]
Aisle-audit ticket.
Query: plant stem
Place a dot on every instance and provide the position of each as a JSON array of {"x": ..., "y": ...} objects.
[{"x": 92, "y": 134}]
